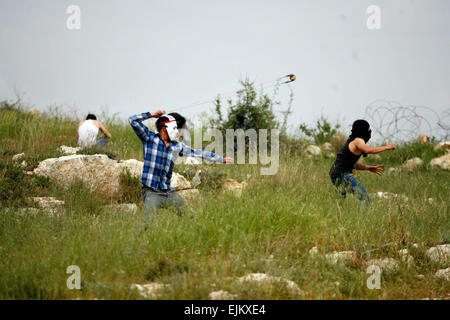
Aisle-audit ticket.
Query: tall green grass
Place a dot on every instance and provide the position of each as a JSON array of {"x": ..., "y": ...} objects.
[{"x": 269, "y": 228}]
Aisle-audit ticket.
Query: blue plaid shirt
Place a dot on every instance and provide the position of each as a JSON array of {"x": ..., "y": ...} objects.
[{"x": 159, "y": 159}]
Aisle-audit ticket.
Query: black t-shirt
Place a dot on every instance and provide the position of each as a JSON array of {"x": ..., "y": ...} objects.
[{"x": 345, "y": 161}]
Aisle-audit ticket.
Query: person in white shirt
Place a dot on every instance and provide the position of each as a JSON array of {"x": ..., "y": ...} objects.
[{"x": 88, "y": 131}]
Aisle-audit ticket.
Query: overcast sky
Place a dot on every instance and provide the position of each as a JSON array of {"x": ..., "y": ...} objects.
[{"x": 142, "y": 55}]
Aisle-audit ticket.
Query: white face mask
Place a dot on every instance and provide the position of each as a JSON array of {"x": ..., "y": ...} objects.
[{"x": 172, "y": 130}]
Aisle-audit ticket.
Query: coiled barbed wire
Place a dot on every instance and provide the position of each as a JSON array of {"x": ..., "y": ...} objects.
[{"x": 392, "y": 121}]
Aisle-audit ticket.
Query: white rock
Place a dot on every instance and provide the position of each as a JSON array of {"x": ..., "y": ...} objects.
[
  {"x": 340, "y": 257},
  {"x": 445, "y": 145},
  {"x": 406, "y": 257},
  {"x": 192, "y": 161},
  {"x": 388, "y": 195},
  {"x": 442, "y": 162},
  {"x": 443, "y": 274},
  {"x": 222, "y": 295},
  {"x": 178, "y": 182},
  {"x": 189, "y": 194},
  {"x": 133, "y": 166},
  {"x": 98, "y": 172},
  {"x": 150, "y": 290},
  {"x": 413, "y": 163},
  {"x": 68, "y": 150},
  {"x": 23, "y": 211},
  {"x": 234, "y": 186},
  {"x": 313, "y": 150},
  {"x": 439, "y": 254},
  {"x": 124, "y": 207},
  {"x": 424, "y": 139},
  {"x": 265, "y": 279},
  {"x": 196, "y": 181},
  {"x": 328, "y": 147},
  {"x": 18, "y": 157},
  {"x": 47, "y": 202},
  {"x": 386, "y": 264},
  {"x": 393, "y": 170}
]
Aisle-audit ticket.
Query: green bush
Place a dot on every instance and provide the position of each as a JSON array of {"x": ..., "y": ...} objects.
[
  {"x": 323, "y": 132},
  {"x": 13, "y": 184}
]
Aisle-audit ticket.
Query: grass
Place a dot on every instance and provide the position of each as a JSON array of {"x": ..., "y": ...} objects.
[{"x": 269, "y": 229}]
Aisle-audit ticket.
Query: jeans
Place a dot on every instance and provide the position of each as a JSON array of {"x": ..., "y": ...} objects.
[
  {"x": 103, "y": 142},
  {"x": 155, "y": 199},
  {"x": 348, "y": 182}
]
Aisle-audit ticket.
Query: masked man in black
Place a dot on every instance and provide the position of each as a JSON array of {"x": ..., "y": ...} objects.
[{"x": 344, "y": 168}]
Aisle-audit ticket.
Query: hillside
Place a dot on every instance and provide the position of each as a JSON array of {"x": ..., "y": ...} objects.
[{"x": 286, "y": 226}]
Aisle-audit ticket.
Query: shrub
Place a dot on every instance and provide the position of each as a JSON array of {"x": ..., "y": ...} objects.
[
  {"x": 323, "y": 132},
  {"x": 13, "y": 184}
]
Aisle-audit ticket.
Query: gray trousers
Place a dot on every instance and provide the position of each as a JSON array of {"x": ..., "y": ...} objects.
[{"x": 155, "y": 199}]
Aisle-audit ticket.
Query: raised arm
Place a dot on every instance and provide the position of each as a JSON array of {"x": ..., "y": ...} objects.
[{"x": 141, "y": 129}]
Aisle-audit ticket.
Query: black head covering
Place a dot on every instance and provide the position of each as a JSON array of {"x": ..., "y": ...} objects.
[
  {"x": 360, "y": 129},
  {"x": 180, "y": 119}
]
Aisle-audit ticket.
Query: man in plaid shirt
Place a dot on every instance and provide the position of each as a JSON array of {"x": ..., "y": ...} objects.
[{"x": 160, "y": 152}]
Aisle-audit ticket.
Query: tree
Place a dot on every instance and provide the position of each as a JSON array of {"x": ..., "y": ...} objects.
[{"x": 250, "y": 111}]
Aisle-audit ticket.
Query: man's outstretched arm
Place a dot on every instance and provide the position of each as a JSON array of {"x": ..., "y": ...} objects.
[
  {"x": 141, "y": 129},
  {"x": 187, "y": 151}
]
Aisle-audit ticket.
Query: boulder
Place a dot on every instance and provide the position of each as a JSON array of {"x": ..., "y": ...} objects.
[
  {"x": 98, "y": 172},
  {"x": 150, "y": 290},
  {"x": 413, "y": 163},
  {"x": 68, "y": 150},
  {"x": 47, "y": 202},
  {"x": 192, "y": 161},
  {"x": 267, "y": 280},
  {"x": 393, "y": 170},
  {"x": 340, "y": 257},
  {"x": 443, "y": 145},
  {"x": 424, "y": 139},
  {"x": 443, "y": 274},
  {"x": 133, "y": 166},
  {"x": 327, "y": 147},
  {"x": 189, "y": 194},
  {"x": 442, "y": 162},
  {"x": 222, "y": 295},
  {"x": 386, "y": 264},
  {"x": 123, "y": 207},
  {"x": 313, "y": 251},
  {"x": 234, "y": 186},
  {"x": 313, "y": 150},
  {"x": 439, "y": 254},
  {"x": 18, "y": 157},
  {"x": 388, "y": 195},
  {"x": 196, "y": 181},
  {"x": 178, "y": 182},
  {"x": 406, "y": 257}
]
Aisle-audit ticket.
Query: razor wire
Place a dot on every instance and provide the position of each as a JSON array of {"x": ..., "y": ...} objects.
[{"x": 392, "y": 121}]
